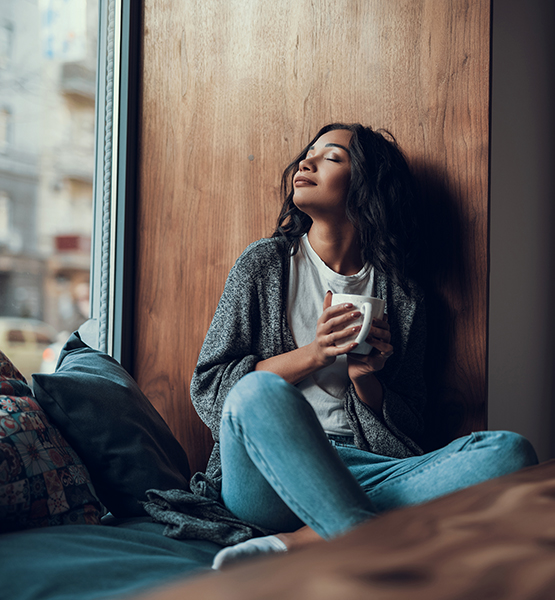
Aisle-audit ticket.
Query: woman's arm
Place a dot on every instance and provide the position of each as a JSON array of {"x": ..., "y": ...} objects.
[
  {"x": 293, "y": 366},
  {"x": 404, "y": 386},
  {"x": 332, "y": 327},
  {"x": 393, "y": 426},
  {"x": 362, "y": 369},
  {"x": 236, "y": 340},
  {"x": 249, "y": 331},
  {"x": 370, "y": 391}
]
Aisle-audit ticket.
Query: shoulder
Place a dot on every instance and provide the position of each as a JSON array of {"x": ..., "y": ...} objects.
[{"x": 262, "y": 256}]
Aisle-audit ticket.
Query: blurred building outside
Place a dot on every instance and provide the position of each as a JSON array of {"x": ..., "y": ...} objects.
[{"x": 48, "y": 61}]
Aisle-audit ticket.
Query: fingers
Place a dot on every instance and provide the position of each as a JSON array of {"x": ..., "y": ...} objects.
[
  {"x": 361, "y": 365},
  {"x": 335, "y": 327},
  {"x": 333, "y": 330},
  {"x": 330, "y": 311},
  {"x": 339, "y": 338},
  {"x": 327, "y": 300},
  {"x": 381, "y": 323},
  {"x": 379, "y": 337},
  {"x": 335, "y": 317},
  {"x": 380, "y": 347},
  {"x": 379, "y": 331},
  {"x": 338, "y": 350},
  {"x": 342, "y": 321}
]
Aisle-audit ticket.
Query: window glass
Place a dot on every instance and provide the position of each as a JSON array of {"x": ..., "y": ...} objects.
[
  {"x": 6, "y": 42},
  {"x": 15, "y": 336},
  {"x": 5, "y": 128},
  {"x": 5, "y": 215},
  {"x": 48, "y": 61},
  {"x": 43, "y": 339}
]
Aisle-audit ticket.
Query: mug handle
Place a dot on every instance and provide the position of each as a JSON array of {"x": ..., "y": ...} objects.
[{"x": 366, "y": 310}]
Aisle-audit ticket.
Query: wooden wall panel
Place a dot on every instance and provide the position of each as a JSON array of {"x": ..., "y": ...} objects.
[{"x": 232, "y": 90}]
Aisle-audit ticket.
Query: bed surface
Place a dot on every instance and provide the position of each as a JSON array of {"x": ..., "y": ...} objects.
[
  {"x": 492, "y": 541},
  {"x": 86, "y": 562},
  {"x": 495, "y": 540}
]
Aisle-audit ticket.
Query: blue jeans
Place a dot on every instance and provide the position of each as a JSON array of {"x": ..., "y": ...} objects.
[{"x": 280, "y": 470}]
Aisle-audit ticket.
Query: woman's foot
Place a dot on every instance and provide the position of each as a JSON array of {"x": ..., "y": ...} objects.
[
  {"x": 282, "y": 542},
  {"x": 249, "y": 549}
]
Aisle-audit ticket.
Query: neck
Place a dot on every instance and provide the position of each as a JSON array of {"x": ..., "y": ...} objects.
[{"x": 337, "y": 246}]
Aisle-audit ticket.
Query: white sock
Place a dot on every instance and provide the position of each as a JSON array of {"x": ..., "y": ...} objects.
[{"x": 248, "y": 549}]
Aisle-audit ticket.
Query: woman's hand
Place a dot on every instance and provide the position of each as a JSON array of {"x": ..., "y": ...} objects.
[
  {"x": 332, "y": 329},
  {"x": 362, "y": 368},
  {"x": 379, "y": 337}
]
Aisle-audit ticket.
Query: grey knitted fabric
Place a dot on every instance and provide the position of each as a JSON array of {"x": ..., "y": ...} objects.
[
  {"x": 191, "y": 516},
  {"x": 250, "y": 325}
]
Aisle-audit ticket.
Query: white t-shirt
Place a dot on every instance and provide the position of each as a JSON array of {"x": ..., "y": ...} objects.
[{"x": 309, "y": 280}]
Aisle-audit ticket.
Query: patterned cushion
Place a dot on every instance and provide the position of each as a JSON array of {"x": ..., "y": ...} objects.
[{"x": 42, "y": 480}]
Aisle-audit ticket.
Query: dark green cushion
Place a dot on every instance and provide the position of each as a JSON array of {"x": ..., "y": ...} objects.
[
  {"x": 79, "y": 562},
  {"x": 124, "y": 442}
]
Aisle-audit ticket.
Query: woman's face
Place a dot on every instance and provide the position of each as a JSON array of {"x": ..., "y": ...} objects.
[{"x": 322, "y": 181}]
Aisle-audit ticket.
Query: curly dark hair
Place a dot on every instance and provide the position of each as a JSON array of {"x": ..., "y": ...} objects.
[{"x": 381, "y": 202}]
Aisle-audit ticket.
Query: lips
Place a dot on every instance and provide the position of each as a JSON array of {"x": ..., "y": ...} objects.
[{"x": 301, "y": 181}]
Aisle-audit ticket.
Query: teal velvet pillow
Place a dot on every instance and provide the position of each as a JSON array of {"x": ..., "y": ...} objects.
[
  {"x": 42, "y": 480},
  {"x": 124, "y": 442}
]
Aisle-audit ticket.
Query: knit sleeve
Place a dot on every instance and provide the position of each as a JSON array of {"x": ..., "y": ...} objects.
[
  {"x": 246, "y": 328},
  {"x": 405, "y": 395},
  {"x": 226, "y": 354},
  {"x": 393, "y": 433}
]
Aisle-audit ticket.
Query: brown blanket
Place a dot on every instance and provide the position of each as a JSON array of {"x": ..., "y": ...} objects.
[{"x": 495, "y": 540}]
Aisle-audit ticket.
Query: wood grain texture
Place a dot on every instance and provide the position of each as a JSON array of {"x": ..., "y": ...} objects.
[
  {"x": 493, "y": 540},
  {"x": 231, "y": 91}
]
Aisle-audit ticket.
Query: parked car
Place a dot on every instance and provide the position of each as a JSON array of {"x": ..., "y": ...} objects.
[{"x": 24, "y": 341}]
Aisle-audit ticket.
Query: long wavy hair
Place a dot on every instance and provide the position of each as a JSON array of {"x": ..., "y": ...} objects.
[{"x": 381, "y": 201}]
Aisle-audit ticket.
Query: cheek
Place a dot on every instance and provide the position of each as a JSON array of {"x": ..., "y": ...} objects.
[{"x": 342, "y": 183}]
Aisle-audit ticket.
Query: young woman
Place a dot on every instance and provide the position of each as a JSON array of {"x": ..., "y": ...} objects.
[{"x": 312, "y": 439}]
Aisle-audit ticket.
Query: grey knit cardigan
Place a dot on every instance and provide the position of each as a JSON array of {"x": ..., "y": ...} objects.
[{"x": 250, "y": 325}]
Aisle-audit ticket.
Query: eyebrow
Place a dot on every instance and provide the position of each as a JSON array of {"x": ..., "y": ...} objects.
[{"x": 332, "y": 145}]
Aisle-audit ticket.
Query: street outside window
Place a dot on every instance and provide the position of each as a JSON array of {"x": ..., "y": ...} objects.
[{"x": 48, "y": 61}]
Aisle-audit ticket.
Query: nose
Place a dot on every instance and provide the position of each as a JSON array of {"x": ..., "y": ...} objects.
[{"x": 307, "y": 164}]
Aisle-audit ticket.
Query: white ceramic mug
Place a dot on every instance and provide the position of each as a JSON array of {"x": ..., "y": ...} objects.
[{"x": 370, "y": 308}]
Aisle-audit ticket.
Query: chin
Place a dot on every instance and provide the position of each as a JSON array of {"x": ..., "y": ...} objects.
[
  {"x": 301, "y": 202},
  {"x": 302, "y": 206}
]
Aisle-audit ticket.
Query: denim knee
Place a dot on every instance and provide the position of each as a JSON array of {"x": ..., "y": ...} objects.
[
  {"x": 515, "y": 450},
  {"x": 519, "y": 450},
  {"x": 263, "y": 395}
]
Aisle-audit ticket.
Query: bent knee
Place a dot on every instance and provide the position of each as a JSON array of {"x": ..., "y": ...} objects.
[
  {"x": 259, "y": 392},
  {"x": 519, "y": 449},
  {"x": 516, "y": 450}
]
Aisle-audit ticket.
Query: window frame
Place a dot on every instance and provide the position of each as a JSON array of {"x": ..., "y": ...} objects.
[{"x": 110, "y": 328}]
